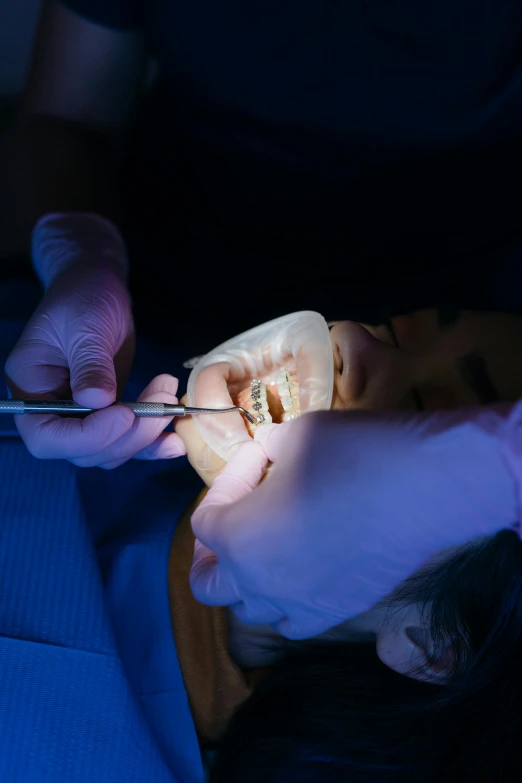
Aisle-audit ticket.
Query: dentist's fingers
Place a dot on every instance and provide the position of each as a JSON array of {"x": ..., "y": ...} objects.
[
  {"x": 210, "y": 580},
  {"x": 144, "y": 431},
  {"x": 214, "y": 584},
  {"x": 168, "y": 445},
  {"x": 239, "y": 477},
  {"x": 53, "y": 437},
  {"x": 272, "y": 438},
  {"x": 281, "y": 442}
]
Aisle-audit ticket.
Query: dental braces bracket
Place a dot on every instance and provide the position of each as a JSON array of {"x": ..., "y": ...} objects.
[{"x": 256, "y": 394}]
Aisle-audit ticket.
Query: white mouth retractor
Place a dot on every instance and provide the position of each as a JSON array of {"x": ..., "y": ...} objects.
[{"x": 301, "y": 340}]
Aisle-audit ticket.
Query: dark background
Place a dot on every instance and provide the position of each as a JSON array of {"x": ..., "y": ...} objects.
[{"x": 368, "y": 254}]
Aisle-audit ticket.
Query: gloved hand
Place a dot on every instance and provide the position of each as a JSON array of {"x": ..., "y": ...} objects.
[
  {"x": 79, "y": 344},
  {"x": 354, "y": 503}
]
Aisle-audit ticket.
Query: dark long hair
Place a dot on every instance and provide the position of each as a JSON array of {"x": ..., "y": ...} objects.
[{"x": 334, "y": 713}]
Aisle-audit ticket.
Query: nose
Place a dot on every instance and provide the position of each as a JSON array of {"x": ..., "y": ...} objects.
[{"x": 374, "y": 375}]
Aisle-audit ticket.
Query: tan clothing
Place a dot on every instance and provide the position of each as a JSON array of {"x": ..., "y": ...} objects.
[{"x": 215, "y": 685}]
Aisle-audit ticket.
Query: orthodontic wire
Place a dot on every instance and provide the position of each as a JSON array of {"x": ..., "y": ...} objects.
[{"x": 256, "y": 393}]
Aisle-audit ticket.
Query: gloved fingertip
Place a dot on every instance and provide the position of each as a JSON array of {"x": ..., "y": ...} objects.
[
  {"x": 265, "y": 432},
  {"x": 178, "y": 448},
  {"x": 94, "y": 397},
  {"x": 271, "y": 437},
  {"x": 161, "y": 385},
  {"x": 126, "y": 416},
  {"x": 245, "y": 449},
  {"x": 110, "y": 424},
  {"x": 199, "y": 517},
  {"x": 209, "y": 586},
  {"x": 170, "y": 447},
  {"x": 239, "y": 476},
  {"x": 202, "y": 572}
]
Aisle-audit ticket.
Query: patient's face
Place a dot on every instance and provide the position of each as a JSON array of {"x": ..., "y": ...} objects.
[{"x": 425, "y": 360}]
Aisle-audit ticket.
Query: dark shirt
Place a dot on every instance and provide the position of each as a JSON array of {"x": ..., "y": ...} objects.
[{"x": 331, "y": 150}]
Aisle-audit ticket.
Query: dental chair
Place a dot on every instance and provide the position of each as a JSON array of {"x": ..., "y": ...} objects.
[{"x": 90, "y": 685}]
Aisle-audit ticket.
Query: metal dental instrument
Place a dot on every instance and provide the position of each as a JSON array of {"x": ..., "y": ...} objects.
[{"x": 151, "y": 409}]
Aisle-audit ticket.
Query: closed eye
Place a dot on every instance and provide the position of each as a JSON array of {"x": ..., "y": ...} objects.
[{"x": 338, "y": 356}]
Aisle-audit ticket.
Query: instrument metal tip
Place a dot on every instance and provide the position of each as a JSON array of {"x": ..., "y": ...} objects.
[{"x": 247, "y": 415}]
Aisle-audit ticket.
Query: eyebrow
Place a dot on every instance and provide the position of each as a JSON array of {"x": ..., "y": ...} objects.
[{"x": 473, "y": 371}]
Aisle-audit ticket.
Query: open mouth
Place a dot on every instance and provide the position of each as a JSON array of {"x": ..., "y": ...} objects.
[
  {"x": 270, "y": 399},
  {"x": 259, "y": 370}
]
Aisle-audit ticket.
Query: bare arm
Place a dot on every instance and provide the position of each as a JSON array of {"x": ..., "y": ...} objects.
[{"x": 82, "y": 89}]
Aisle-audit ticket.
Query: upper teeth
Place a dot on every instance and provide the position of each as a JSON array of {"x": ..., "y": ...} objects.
[{"x": 288, "y": 389}]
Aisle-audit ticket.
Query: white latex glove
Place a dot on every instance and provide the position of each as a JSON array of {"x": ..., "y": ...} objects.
[
  {"x": 354, "y": 503},
  {"x": 79, "y": 344}
]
